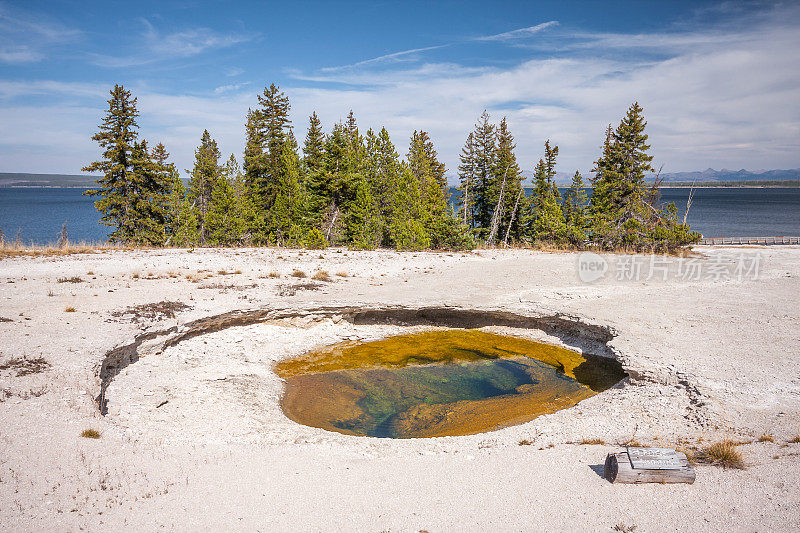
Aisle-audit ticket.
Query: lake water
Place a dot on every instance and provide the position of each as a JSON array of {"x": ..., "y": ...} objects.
[{"x": 38, "y": 213}]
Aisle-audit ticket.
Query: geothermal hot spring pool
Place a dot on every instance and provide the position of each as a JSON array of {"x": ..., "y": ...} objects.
[{"x": 432, "y": 384}]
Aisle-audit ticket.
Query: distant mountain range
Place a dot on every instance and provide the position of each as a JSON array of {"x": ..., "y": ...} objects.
[{"x": 709, "y": 175}]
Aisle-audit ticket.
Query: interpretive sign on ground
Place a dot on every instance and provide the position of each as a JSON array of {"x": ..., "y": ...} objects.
[{"x": 654, "y": 458}]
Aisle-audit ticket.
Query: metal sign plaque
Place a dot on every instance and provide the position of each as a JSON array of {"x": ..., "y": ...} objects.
[{"x": 654, "y": 458}]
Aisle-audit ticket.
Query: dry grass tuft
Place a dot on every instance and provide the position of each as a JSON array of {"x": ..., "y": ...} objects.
[
  {"x": 722, "y": 453},
  {"x": 795, "y": 439},
  {"x": 525, "y": 442},
  {"x": 298, "y": 274},
  {"x": 593, "y": 441},
  {"x": 69, "y": 309},
  {"x": 73, "y": 279},
  {"x": 322, "y": 275},
  {"x": 90, "y": 434},
  {"x": 342, "y": 274},
  {"x": 766, "y": 437},
  {"x": 274, "y": 274}
]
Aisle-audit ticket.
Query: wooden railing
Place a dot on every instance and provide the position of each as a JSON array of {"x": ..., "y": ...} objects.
[{"x": 749, "y": 240}]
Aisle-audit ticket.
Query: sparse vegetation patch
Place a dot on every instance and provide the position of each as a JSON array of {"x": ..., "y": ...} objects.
[
  {"x": 152, "y": 311},
  {"x": 24, "y": 366},
  {"x": 291, "y": 289}
]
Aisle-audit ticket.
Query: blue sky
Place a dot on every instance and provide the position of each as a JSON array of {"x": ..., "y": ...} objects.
[{"x": 719, "y": 81}]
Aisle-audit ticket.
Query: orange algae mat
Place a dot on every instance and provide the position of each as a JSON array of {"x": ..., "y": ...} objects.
[{"x": 451, "y": 382}]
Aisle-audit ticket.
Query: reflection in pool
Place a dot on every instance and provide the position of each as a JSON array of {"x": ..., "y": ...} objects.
[{"x": 450, "y": 382}]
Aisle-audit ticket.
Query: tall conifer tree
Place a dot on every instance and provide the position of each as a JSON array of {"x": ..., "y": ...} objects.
[
  {"x": 203, "y": 177},
  {"x": 120, "y": 193},
  {"x": 466, "y": 176},
  {"x": 574, "y": 207},
  {"x": 485, "y": 150},
  {"x": 623, "y": 212},
  {"x": 508, "y": 180}
]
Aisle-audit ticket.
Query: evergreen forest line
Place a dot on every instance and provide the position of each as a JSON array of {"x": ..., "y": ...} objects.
[{"x": 345, "y": 188}]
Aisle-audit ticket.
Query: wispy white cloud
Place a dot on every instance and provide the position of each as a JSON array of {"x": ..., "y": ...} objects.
[
  {"x": 233, "y": 72},
  {"x": 26, "y": 37},
  {"x": 230, "y": 87},
  {"x": 518, "y": 34},
  {"x": 20, "y": 54},
  {"x": 396, "y": 57},
  {"x": 159, "y": 46},
  {"x": 387, "y": 58},
  {"x": 12, "y": 89}
]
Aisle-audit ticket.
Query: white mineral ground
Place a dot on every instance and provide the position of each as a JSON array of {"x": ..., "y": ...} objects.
[{"x": 710, "y": 360}]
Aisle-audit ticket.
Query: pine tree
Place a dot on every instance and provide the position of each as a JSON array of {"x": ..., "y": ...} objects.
[
  {"x": 313, "y": 170},
  {"x": 466, "y": 176},
  {"x": 364, "y": 231},
  {"x": 267, "y": 129},
  {"x": 183, "y": 221},
  {"x": 126, "y": 186},
  {"x": 274, "y": 111},
  {"x": 203, "y": 177},
  {"x": 313, "y": 149},
  {"x": 574, "y": 211},
  {"x": 484, "y": 139},
  {"x": 147, "y": 195},
  {"x": 423, "y": 162},
  {"x": 623, "y": 212},
  {"x": 382, "y": 169},
  {"x": 406, "y": 228},
  {"x": 337, "y": 186},
  {"x": 287, "y": 211},
  {"x": 355, "y": 152},
  {"x": 508, "y": 181},
  {"x": 225, "y": 224},
  {"x": 546, "y": 220},
  {"x": 444, "y": 229}
]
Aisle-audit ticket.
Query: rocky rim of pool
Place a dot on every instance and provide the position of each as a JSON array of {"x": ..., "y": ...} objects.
[{"x": 453, "y": 381}]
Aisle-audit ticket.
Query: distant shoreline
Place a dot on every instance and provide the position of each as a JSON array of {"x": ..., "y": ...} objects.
[
  {"x": 87, "y": 187},
  {"x": 728, "y": 185}
]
